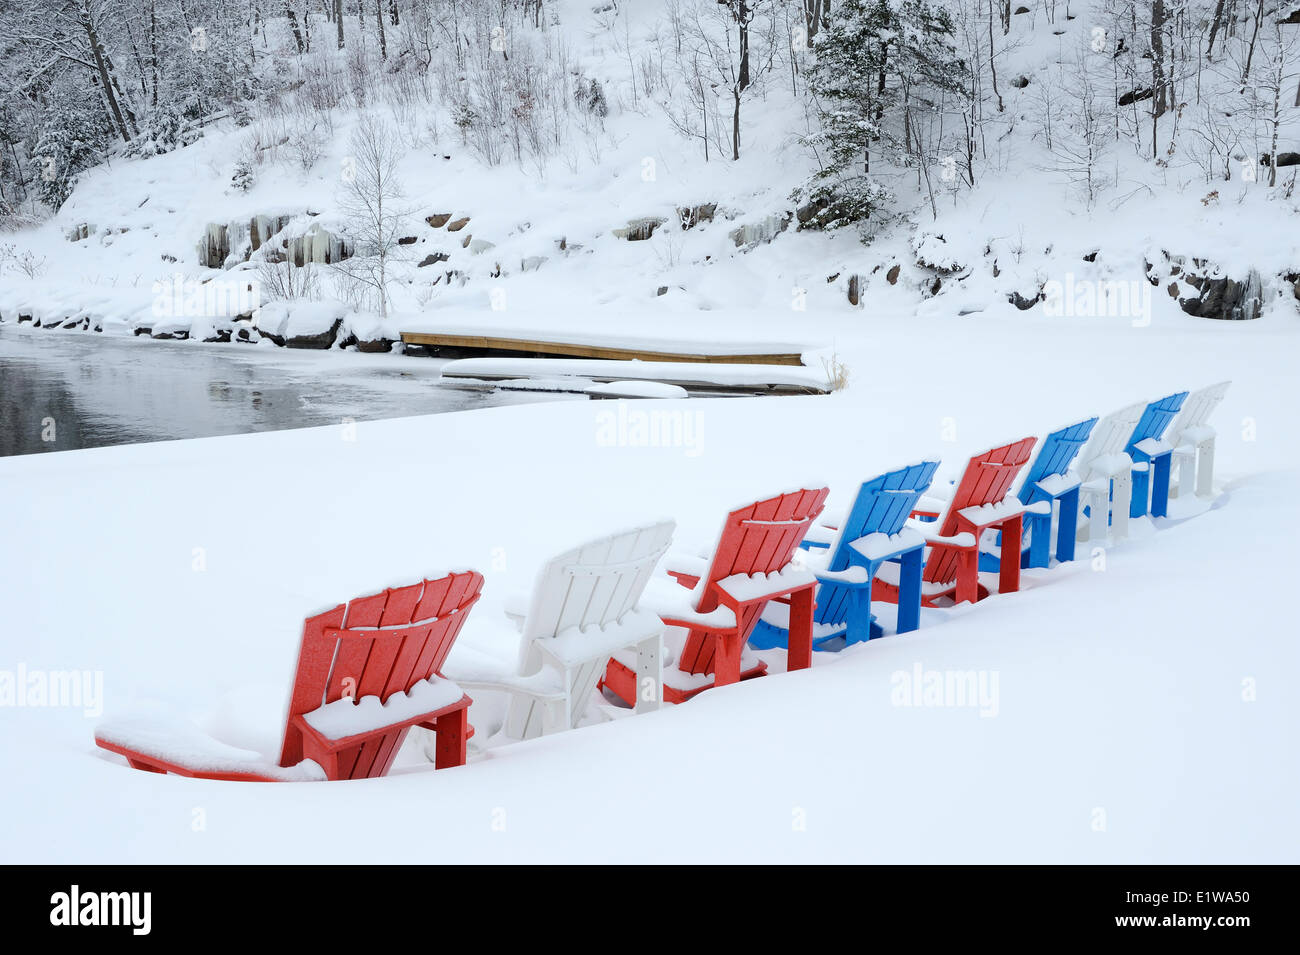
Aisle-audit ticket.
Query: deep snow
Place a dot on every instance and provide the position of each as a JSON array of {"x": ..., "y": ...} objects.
[{"x": 1119, "y": 691}]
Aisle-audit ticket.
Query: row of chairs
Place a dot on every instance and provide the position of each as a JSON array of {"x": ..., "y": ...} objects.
[{"x": 783, "y": 574}]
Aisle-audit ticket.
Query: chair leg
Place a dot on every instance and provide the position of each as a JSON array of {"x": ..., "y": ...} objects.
[
  {"x": 650, "y": 673},
  {"x": 1040, "y": 541},
  {"x": 1205, "y": 468},
  {"x": 1141, "y": 491},
  {"x": 1009, "y": 574},
  {"x": 726, "y": 659},
  {"x": 1186, "y": 466},
  {"x": 1069, "y": 517},
  {"x": 968, "y": 578},
  {"x": 1123, "y": 484},
  {"x": 909, "y": 591},
  {"x": 1160, "y": 486},
  {"x": 451, "y": 736},
  {"x": 1099, "y": 518},
  {"x": 857, "y": 622},
  {"x": 799, "y": 656}
]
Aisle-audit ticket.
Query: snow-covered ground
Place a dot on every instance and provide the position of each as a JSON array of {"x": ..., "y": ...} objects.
[
  {"x": 1142, "y": 712},
  {"x": 1135, "y": 706}
]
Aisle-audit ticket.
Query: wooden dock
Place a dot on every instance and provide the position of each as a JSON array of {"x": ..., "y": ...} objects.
[{"x": 488, "y": 345}]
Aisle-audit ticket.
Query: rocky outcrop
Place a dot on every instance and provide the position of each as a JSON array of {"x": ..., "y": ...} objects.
[
  {"x": 1222, "y": 297},
  {"x": 317, "y": 246},
  {"x": 1025, "y": 302},
  {"x": 319, "y": 340},
  {"x": 764, "y": 230},
  {"x": 214, "y": 247},
  {"x": 262, "y": 228},
  {"x": 638, "y": 230},
  {"x": 691, "y": 216},
  {"x": 225, "y": 245}
]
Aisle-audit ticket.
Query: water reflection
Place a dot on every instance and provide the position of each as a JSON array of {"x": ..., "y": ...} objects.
[{"x": 61, "y": 391}]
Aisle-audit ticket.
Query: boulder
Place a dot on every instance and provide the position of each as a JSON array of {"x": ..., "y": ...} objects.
[{"x": 856, "y": 285}]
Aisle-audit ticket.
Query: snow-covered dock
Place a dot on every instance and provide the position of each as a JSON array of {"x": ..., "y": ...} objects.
[
  {"x": 579, "y": 374},
  {"x": 617, "y": 348}
]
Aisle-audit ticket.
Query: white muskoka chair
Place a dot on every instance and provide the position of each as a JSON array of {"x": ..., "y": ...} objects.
[
  {"x": 1103, "y": 463},
  {"x": 1193, "y": 442},
  {"x": 583, "y": 608}
]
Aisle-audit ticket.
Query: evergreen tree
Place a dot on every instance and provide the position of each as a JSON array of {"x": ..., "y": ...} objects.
[
  {"x": 877, "y": 64},
  {"x": 75, "y": 134}
]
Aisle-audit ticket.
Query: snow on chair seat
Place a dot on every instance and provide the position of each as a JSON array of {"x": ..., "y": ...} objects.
[
  {"x": 1049, "y": 481},
  {"x": 750, "y": 567},
  {"x": 1152, "y": 457},
  {"x": 872, "y": 534},
  {"x": 1192, "y": 439},
  {"x": 980, "y": 503},
  {"x": 1107, "y": 474},
  {"x": 367, "y": 672},
  {"x": 583, "y": 609}
]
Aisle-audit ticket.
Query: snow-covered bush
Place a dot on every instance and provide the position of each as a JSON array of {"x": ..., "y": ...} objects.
[{"x": 74, "y": 136}]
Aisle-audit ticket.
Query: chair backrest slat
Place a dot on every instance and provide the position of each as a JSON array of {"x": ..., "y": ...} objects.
[
  {"x": 987, "y": 480},
  {"x": 761, "y": 538},
  {"x": 882, "y": 506},
  {"x": 377, "y": 645},
  {"x": 1198, "y": 407},
  {"x": 1056, "y": 455},
  {"x": 1155, "y": 419},
  {"x": 594, "y": 584},
  {"x": 1110, "y": 436}
]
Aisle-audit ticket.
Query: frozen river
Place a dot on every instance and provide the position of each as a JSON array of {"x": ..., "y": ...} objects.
[{"x": 61, "y": 391}]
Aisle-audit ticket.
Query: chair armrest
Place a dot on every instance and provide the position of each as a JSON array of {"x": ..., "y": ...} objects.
[
  {"x": 719, "y": 620},
  {"x": 849, "y": 577},
  {"x": 965, "y": 539},
  {"x": 516, "y": 607},
  {"x": 686, "y": 569},
  {"x": 819, "y": 535}
]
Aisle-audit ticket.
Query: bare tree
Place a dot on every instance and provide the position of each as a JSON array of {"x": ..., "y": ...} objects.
[{"x": 371, "y": 202}]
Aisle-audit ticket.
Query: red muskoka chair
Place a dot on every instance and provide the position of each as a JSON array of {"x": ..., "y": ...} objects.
[
  {"x": 750, "y": 566},
  {"x": 367, "y": 672},
  {"x": 981, "y": 502}
]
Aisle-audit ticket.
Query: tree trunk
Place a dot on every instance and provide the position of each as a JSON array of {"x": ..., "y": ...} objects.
[
  {"x": 735, "y": 125},
  {"x": 153, "y": 48},
  {"x": 1250, "y": 53},
  {"x": 742, "y": 19},
  {"x": 993, "y": 69},
  {"x": 1214, "y": 30},
  {"x": 379, "y": 21},
  {"x": 1159, "y": 98},
  {"x": 338, "y": 18},
  {"x": 101, "y": 67},
  {"x": 293, "y": 25},
  {"x": 392, "y": 12}
]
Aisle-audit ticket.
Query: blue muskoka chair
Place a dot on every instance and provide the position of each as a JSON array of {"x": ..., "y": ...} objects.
[
  {"x": 1047, "y": 481},
  {"x": 1153, "y": 457},
  {"x": 872, "y": 534}
]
